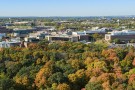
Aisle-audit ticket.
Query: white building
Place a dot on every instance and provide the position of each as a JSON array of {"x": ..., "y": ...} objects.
[
  {"x": 123, "y": 32},
  {"x": 95, "y": 28},
  {"x": 79, "y": 33},
  {"x": 99, "y": 31}
]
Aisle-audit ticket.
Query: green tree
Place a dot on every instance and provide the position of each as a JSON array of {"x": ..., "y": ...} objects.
[
  {"x": 93, "y": 86},
  {"x": 117, "y": 41},
  {"x": 57, "y": 77}
]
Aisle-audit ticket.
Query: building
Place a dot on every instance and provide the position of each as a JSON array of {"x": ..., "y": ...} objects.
[
  {"x": 23, "y": 33},
  {"x": 95, "y": 28},
  {"x": 5, "y": 30},
  {"x": 31, "y": 39},
  {"x": 2, "y": 35},
  {"x": 22, "y": 22},
  {"x": 131, "y": 44},
  {"x": 81, "y": 36},
  {"x": 68, "y": 36},
  {"x": 79, "y": 33},
  {"x": 38, "y": 35},
  {"x": 124, "y": 35},
  {"x": 62, "y": 38},
  {"x": 5, "y": 44},
  {"x": 45, "y": 28},
  {"x": 98, "y": 31}
]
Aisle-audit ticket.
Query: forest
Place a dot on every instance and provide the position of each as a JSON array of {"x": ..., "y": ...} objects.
[{"x": 67, "y": 66}]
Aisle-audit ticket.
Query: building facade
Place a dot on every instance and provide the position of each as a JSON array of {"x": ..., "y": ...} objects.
[{"x": 124, "y": 35}]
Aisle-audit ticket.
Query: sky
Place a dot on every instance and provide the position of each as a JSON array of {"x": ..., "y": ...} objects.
[{"x": 67, "y": 7}]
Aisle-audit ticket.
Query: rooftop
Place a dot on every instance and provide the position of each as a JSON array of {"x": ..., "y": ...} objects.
[{"x": 123, "y": 32}]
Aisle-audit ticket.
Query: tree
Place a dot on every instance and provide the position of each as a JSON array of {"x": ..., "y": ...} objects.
[
  {"x": 133, "y": 63},
  {"x": 76, "y": 64},
  {"x": 57, "y": 77},
  {"x": 97, "y": 36},
  {"x": 63, "y": 86},
  {"x": 78, "y": 79},
  {"x": 93, "y": 86},
  {"x": 6, "y": 84},
  {"x": 22, "y": 80},
  {"x": 43, "y": 74},
  {"x": 117, "y": 41}
]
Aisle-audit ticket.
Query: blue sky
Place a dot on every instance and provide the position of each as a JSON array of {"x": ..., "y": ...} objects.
[{"x": 66, "y": 7}]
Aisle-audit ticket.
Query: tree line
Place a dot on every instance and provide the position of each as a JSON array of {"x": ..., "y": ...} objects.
[{"x": 67, "y": 66}]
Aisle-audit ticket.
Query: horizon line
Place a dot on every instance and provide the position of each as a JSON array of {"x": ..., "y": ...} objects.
[{"x": 78, "y": 16}]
